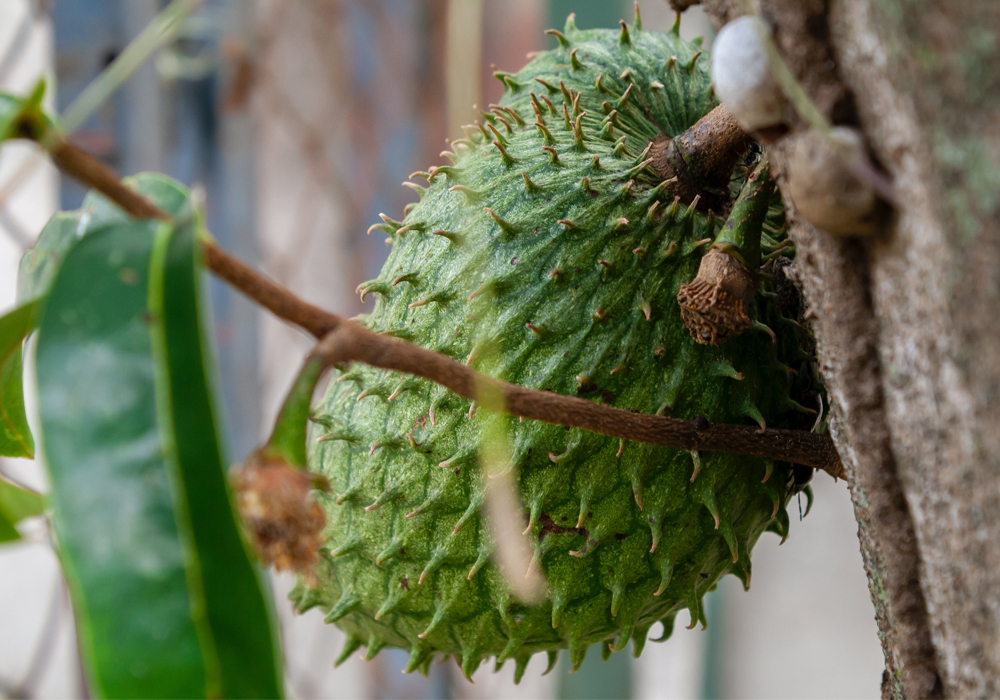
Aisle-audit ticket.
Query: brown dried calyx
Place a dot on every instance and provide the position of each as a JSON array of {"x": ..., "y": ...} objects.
[
  {"x": 714, "y": 305},
  {"x": 700, "y": 160},
  {"x": 284, "y": 524}
]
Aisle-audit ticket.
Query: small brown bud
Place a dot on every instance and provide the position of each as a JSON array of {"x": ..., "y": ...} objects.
[
  {"x": 283, "y": 523},
  {"x": 714, "y": 305}
]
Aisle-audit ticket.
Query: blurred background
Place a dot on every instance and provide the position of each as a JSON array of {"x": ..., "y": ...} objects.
[{"x": 300, "y": 119}]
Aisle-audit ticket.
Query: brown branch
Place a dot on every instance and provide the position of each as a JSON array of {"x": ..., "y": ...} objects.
[
  {"x": 353, "y": 342},
  {"x": 90, "y": 171},
  {"x": 275, "y": 298},
  {"x": 269, "y": 294},
  {"x": 346, "y": 341}
]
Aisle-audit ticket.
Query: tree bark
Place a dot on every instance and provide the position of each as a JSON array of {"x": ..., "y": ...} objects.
[
  {"x": 924, "y": 75},
  {"x": 906, "y": 321}
]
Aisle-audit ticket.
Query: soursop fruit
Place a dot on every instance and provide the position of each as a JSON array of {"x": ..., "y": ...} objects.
[{"x": 549, "y": 254}]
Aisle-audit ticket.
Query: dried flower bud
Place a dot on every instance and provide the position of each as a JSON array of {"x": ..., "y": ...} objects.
[
  {"x": 742, "y": 75},
  {"x": 824, "y": 185},
  {"x": 714, "y": 305},
  {"x": 284, "y": 524}
]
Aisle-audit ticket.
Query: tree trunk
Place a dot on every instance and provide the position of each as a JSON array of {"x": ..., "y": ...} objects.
[{"x": 905, "y": 321}]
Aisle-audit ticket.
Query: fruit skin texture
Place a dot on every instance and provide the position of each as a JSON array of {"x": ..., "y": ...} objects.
[{"x": 548, "y": 256}]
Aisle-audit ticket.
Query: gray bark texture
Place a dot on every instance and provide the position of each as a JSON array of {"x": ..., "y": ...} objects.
[{"x": 906, "y": 321}]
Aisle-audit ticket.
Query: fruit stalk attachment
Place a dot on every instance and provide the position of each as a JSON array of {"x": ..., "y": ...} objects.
[
  {"x": 273, "y": 487},
  {"x": 714, "y": 306},
  {"x": 702, "y": 159}
]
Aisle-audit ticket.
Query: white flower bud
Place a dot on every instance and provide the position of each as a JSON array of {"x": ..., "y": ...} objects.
[
  {"x": 742, "y": 76},
  {"x": 823, "y": 182}
]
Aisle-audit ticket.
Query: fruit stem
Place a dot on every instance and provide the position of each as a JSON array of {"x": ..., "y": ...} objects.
[
  {"x": 746, "y": 221},
  {"x": 288, "y": 437},
  {"x": 714, "y": 306}
]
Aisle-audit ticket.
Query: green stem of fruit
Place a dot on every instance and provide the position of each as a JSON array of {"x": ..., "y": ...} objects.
[
  {"x": 345, "y": 341},
  {"x": 740, "y": 236},
  {"x": 288, "y": 438}
]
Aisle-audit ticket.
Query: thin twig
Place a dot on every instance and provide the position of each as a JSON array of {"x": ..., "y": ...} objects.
[
  {"x": 155, "y": 35},
  {"x": 41, "y": 660},
  {"x": 272, "y": 296},
  {"x": 353, "y": 342},
  {"x": 346, "y": 341},
  {"x": 92, "y": 172}
]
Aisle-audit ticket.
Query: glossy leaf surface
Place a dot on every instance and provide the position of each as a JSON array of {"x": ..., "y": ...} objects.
[
  {"x": 238, "y": 614},
  {"x": 168, "y": 603}
]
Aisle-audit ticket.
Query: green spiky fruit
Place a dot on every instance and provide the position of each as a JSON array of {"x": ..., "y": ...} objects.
[{"x": 549, "y": 255}]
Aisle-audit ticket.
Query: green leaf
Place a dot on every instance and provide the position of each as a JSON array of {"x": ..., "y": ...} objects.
[
  {"x": 16, "y": 504},
  {"x": 167, "y": 600},
  {"x": 8, "y": 533},
  {"x": 15, "y": 435},
  {"x": 238, "y": 613},
  {"x": 40, "y": 263}
]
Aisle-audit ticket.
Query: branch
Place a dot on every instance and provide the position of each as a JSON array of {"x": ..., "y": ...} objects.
[
  {"x": 346, "y": 341},
  {"x": 275, "y": 298},
  {"x": 93, "y": 173},
  {"x": 269, "y": 294},
  {"x": 352, "y": 342}
]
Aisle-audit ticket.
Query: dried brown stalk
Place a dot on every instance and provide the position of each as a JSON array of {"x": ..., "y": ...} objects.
[
  {"x": 702, "y": 158},
  {"x": 346, "y": 341}
]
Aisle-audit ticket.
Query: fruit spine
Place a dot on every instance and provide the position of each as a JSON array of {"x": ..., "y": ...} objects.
[{"x": 549, "y": 254}]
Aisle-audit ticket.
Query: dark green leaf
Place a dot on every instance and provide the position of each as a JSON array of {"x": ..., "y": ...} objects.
[
  {"x": 15, "y": 435},
  {"x": 39, "y": 265},
  {"x": 111, "y": 491},
  {"x": 16, "y": 503},
  {"x": 167, "y": 601},
  {"x": 238, "y": 614}
]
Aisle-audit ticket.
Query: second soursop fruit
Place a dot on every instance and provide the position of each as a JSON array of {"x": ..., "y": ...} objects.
[{"x": 550, "y": 255}]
